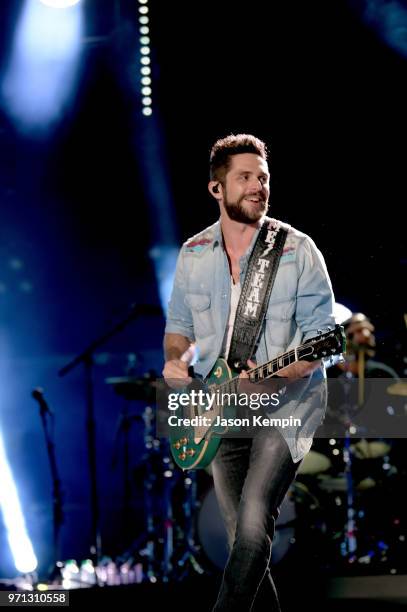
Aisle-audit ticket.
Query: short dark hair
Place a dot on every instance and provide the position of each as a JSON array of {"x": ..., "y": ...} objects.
[{"x": 234, "y": 144}]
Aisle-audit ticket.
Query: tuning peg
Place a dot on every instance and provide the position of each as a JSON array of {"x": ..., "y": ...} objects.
[
  {"x": 329, "y": 328},
  {"x": 319, "y": 331}
]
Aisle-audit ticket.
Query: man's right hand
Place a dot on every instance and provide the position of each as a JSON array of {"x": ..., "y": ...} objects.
[{"x": 175, "y": 373}]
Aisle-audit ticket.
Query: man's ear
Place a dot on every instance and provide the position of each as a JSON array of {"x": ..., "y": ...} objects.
[{"x": 215, "y": 189}]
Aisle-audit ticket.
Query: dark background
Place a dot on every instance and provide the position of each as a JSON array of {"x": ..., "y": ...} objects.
[{"x": 317, "y": 83}]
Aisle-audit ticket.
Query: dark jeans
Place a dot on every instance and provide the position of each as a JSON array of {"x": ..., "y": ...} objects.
[{"x": 251, "y": 479}]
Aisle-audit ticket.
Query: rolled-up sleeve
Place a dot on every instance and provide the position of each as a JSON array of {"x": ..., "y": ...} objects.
[
  {"x": 179, "y": 317},
  {"x": 315, "y": 298}
]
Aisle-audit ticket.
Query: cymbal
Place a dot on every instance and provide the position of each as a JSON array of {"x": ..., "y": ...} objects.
[
  {"x": 332, "y": 483},
  {"x": 399, "y": 388},
  {"x": 314, "y": 463},
  {"x": 340, "y": 484},
  {"x": 366, "y": 483},
  {"x": 370, "y": 450},
  {"x": 133, "y": 388}
]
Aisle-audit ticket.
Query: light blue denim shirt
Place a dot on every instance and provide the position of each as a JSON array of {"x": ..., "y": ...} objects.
[{"x": 301, "y": 302}]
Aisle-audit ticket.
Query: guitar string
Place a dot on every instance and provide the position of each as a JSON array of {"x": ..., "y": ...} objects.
[
  {"x": 271, "y": 367},
  {"x": 232, "y": 384}
]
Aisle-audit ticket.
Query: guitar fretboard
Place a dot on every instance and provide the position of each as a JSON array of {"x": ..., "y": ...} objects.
[
  {"x": 272, "y": 367},
  {"x": 319, "y": 347},
  {"x": 261, "y": 372}
]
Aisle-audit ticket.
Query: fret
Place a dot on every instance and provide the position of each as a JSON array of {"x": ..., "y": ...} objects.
[
  {"x": 273, "y": 366},
  {"x": 261, "y": 372}
]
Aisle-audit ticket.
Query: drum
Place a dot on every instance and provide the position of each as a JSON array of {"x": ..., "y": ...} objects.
[
  {"x": 299, "y": 510},
  {"x": 365, "y": 477}
]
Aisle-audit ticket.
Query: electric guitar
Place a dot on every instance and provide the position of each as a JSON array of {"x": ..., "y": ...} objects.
[{"x": 196, "y": 446}]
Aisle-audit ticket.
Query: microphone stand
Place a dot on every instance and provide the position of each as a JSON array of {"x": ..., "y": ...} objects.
[
  {"x": 351, "y": 542},
  {"x": 57, "y": 504},
  {"x": 86, "y": 357}
]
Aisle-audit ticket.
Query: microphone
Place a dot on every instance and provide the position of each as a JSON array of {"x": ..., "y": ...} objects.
[{"x": 38, "y": 394}]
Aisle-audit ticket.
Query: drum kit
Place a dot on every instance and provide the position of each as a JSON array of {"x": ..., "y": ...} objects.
[
  {"x": 343, "y": 510},
  {"x": 358, "y": 482}
]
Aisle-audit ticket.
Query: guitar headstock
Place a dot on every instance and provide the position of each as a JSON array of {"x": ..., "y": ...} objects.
[{"x": 326, "y": 344}]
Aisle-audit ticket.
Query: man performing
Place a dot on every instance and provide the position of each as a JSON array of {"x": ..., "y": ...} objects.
[{"x": 252, "y": 475}]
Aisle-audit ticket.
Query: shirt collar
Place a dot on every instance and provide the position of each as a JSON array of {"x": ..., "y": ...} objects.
[{"x": 218, "y": 239}]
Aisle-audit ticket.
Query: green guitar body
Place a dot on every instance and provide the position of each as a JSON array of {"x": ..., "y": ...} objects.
[{"x": 188, "y": 452}]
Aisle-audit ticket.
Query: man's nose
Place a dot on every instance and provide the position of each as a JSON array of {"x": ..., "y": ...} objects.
[{"x": 256, "y": 185}]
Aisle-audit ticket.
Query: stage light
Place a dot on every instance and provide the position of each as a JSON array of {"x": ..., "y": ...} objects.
[
  {"x": 60, "y": 3},
  {"x": 341, "y": 313},
  {"x": 164, "y": 258},
  {"x": 39, "y": 80},
  {"x": 388, "y": 20},
  {"x": 21, "y": 548},
  {"x": 145, "y": 60}
]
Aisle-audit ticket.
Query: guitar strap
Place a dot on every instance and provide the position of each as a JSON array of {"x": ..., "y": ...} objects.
[{"x": 259, "y": 280}]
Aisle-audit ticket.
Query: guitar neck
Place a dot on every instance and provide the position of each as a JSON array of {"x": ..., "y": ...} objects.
[
  {"x": 269, "y": 369},
  {"x": 330, "y": 344},
  {"x": 266, "y": 370}
]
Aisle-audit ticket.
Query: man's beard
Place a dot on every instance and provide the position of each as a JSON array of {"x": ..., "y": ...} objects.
[{"x": 249, "y": 214}]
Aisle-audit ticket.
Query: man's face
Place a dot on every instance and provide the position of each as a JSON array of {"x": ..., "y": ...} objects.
[
  {"x": 360, "y": 335},
  {"x": 247, "y": 188}
]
